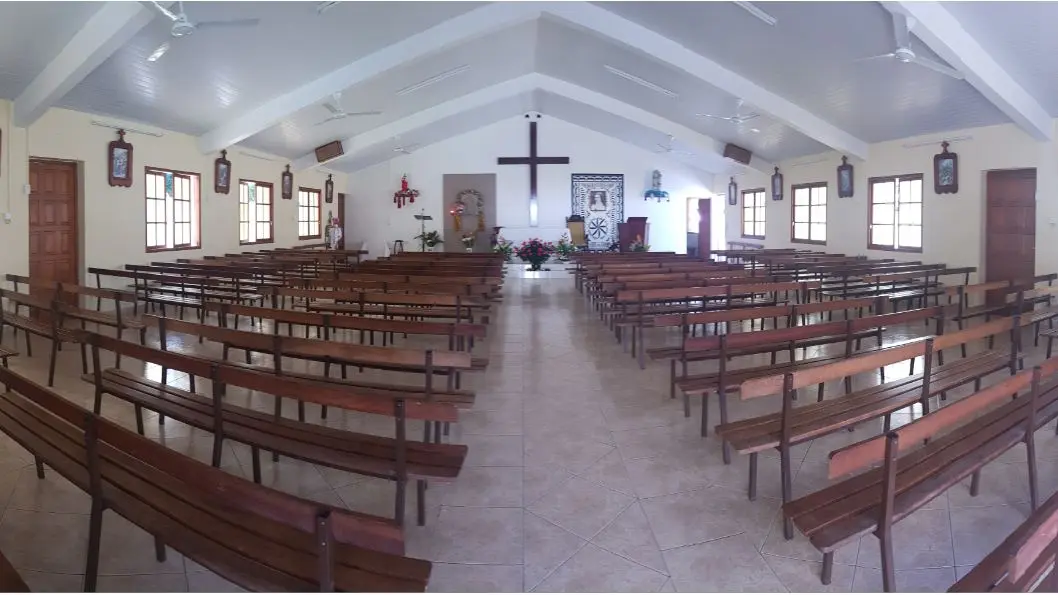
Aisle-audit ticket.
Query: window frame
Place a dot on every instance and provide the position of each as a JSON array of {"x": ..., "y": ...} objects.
[
  {"x": 896, "y": 226},
  {"x": 764, "y": 199},
  {"x": 319, "y": 210},
  {"x": 271, "y": 213},
  {"x": 195, "y": 180},
  {"x": 793, "y": 212}
]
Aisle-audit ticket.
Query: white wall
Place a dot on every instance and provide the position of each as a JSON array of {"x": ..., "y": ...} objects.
[
  {"x": 953, "y": 224},
  {"x": 373, "y": 218},
  {"x": 114, "y": 217}
]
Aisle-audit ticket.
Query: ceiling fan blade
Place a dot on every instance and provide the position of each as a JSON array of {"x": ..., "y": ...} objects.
[
  {"x": 878, "y": 57},
  {"x": 728, "y": 118},
  {"x": 332, "y": 108},
  {"x": 938, "y": 67},
  {"x": 168, "y": 13},
  {"x": 337, "y": 116},
  {"x": 159, "y": 52},
  {"x": 354, "y": 114},
  {"x": 901, "y": 32},
  {"x": 234, "y": 23}
]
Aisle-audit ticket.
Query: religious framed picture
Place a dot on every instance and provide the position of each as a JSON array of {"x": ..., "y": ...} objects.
[
  {"x": 286, "y": 185},
  {"x": 598, "y": 199},
  {"x": 222, "y": 174},
  {"x": 732, "y": 192},
  {"x": 328, "y": 189},
  {"x": 846, "y": 187},
  {"x": 119, "y": 161},
  {"x": 776, "y": 185},
  {"x": 945, "y": 171}
]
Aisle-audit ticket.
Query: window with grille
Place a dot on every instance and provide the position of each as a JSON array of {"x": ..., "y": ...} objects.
[
  {"x": 309, "y": 214},
  {"x": 753, "y": 213},
  {"x": 809, "y": 220},
  {"x": 173, "y": 214},
  {"x": 255, "y": 212},
  {"x": 895, "y": 216}
]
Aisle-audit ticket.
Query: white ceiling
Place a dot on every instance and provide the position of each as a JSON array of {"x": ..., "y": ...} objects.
[{"x": 266, "y": 85}]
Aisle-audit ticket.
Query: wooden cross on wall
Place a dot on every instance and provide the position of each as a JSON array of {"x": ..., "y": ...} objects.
[{"x": 532, "y": 161}]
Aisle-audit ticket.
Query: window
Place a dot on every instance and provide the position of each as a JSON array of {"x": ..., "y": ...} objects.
[
  {"x": 809, "y": 221},
  {"x": 309, "y": 214},
  {"x": 692, "y": 215},
  {"x": 753, "y": 213},
  {"x": 173, "y": 215},
  {"x": 895, "y": 217},
  {"x": 255, "y": 212}
]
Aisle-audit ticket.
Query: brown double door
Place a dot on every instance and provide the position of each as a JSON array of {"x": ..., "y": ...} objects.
[
  {"x": 1010, "y": 227},
  {"x": 341, "y": 217},
  {"x": 53, "y": 242}
]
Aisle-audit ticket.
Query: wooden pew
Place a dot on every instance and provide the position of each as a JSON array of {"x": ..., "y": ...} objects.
[
  {"x": 48, "y": 324},
  {"x": 255, "y": 537},
  {"x": 920, "y": 461},
  {"x": 795, "y": 425},
  {"x": 1024, "y": 562},
  {"x": 397, "y": 305},
  {"x": 396, "y": 459},
  {"x": 725, "y": 380}
]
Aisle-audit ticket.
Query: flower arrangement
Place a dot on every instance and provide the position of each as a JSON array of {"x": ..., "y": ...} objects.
[
  {"x": 536, "y": 252},
  {"x": 565, "y": 248},
  {"x": 429, "y": 238},
  {"x": 504, "y": 247},
  {"x": 468, "y": 241},
  {"x": 637, "y": 245}
]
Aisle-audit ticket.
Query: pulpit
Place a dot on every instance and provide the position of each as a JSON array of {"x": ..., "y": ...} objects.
[
  {"x": 575, "y": 225},
  {"x": 630, "y": 230}
]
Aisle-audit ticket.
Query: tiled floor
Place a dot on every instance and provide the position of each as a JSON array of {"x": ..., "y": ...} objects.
[{"x": 582, "y": 476}]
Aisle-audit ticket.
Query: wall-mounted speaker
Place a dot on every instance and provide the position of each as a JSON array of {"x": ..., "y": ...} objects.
[
  {"x": 329, "y": 151},
  {"x": 737, "y": 153}
]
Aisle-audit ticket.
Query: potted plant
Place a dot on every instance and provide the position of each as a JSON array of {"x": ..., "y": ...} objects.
[
  {"x": 536, "y": 252},
  {"x": 429, "y": 239},
  {"x": 504, "y": 247},
  {"x": 468, "y": 241},
  {"x": 637, "y": 245},
  {"x": 564, "y": 248}
]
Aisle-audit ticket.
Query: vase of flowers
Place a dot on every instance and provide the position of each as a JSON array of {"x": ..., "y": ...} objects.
[
  {"x": 504, "y": 247},
  {"x": 564, "y": 248},
  {"x": 637, "y": 245},
  {"x": 536, "y": 252},
  {"x": 468, "y": 242}
]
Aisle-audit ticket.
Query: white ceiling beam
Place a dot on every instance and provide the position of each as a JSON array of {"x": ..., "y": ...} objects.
[
  {"x": 945, "y": 35},
  {"x": 708, "y": 149},
  {"x": 102, "y": 34},
  {"x": 605, "y": 23},
  {"x": 476, "y": 23}
]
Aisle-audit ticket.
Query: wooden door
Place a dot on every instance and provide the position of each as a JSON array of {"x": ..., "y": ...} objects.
[
  {"x": 1010, "y": 227},
  {"x": 704, "y": 228},
  {"x": 341, "y": 218},
  {"x": 53, "y": 241}
]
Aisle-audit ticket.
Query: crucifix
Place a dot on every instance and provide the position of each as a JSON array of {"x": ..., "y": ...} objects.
[{"x": 532, "y": 161}]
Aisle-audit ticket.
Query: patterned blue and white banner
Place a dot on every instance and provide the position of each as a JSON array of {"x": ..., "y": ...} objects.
[{"x": 600, "y": 199}]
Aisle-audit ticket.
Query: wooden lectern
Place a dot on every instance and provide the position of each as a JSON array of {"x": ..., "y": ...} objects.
[
  {"x": 575, "y": 225},
  {"x": 627, "y": 232}
]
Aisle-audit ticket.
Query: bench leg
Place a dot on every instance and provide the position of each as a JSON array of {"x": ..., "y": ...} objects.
[
  {"x": 39, "y": 462},
  {"x": 705, "y": 410},
  {"x": 828, "y": 568},
  {"x": 29, "y": 343},
  {"x": 1034, "y": 489},
  {"x": 159, "y": 549},
  {"x": 888, "y": 565},
  {"x": 255, "y": 457},
  {"x": 723, "y": 419},
  {"x": 787, "y": 488},
  {"x": 672, "y": 383},
  {"x": 95, "y": 533},
  {"x": 420, "y": 488},
  {"x": 399, "y": 501},
  {"x": 139, "y": 419},
  {"x": 975, "y": 483},
  {"x": 1050, "y": 345},
  {"x": 753, "y": 476},
  {"x": 51, "y": 364}
]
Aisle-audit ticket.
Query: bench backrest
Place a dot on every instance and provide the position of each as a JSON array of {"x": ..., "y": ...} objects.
[{"x": 690, "y": 293}]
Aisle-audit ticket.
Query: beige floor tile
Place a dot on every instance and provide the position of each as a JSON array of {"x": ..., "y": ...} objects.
[
  {"x": 50, "y": 582},
  {"x": 475, "y": 578},
  {"x": 482, "y": 486},
  {"x": 51, "y": 494},
  {"x": 493, "y": 451},
  {"x": 204, "y": 581},
  {"x": 724, "y": 565},
  {"x": 922, "y": 540},
  {"x": 610, "y": 471},
  {"x": 45, "y": 541},
  {"x": 547, "y": 546},
  {"x": 470, "y": 536},
  {"x": 581, "y": 506},
  {"x": 629, "y": 535},
  {"x": 660, "y": 476},
  {"x": 926, "y": 580},
  {"x": 704, "y": 515},
  {"x": 539, "y": 479},
  {"x": 802, "y": 576},
  {"x": 127, "y": 549},
  {"x": 976, "y": 531},
  {"x": 595, "y": 569},
  {"x": 573, "y": 453},
  {"x": 143, "y": 583}
]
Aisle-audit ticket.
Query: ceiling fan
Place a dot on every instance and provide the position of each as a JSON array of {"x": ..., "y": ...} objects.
[
  {"x": 183, "y": 26},
  {"x": 406, "y": 149},
  {"x": 739, "y": 118},
  {"x": 903, "y": 52},
  {"x": 667, "y": 148},
  {"x": 339, "y": 113}
]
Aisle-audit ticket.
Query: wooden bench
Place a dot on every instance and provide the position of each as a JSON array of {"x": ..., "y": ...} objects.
[
  {"x": 396, "y": 459},
  {"x": 922, "y": 460},
  {"x": 1025, "y": 560},
  {"x": 727, "y": 346},
  {"x": 795, "y": 425},
  {"x": 47, "y": 324},
  {"x": 255, "y": 537}
]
